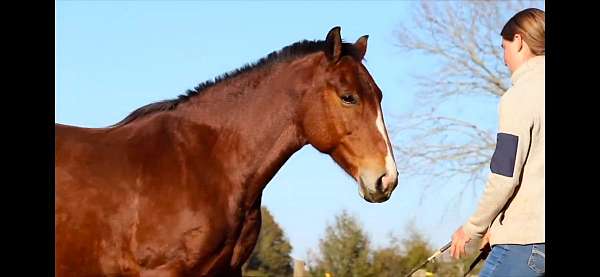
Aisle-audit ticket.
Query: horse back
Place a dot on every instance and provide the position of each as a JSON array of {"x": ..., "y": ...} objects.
[{"x": 86, "y": 165}]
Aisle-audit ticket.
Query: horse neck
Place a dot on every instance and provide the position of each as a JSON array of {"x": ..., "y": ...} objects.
[{"x": 255, "y": 122}]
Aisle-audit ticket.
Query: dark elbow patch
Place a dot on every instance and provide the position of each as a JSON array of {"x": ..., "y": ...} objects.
[{"x": 503, "y": 160}]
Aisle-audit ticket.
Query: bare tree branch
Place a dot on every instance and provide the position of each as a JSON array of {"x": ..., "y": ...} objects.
[{"x": 464, "y": 38}]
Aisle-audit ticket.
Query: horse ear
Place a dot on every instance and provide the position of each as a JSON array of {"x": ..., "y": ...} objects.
[
  {"x": 361, "y": 46},
  {"x": 334, "y": 43}
]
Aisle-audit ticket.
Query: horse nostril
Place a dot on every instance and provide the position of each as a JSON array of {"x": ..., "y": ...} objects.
[{"x": 379, "y": 184}]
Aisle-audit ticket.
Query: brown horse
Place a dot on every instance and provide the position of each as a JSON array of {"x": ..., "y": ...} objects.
[{"x": 175, "y": 188}]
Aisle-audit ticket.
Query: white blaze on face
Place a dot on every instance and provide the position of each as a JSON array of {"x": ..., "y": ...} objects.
[{"x": 390, "y": 164}]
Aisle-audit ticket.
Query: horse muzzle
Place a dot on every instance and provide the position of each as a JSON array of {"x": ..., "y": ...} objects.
[{"x": 377, "y": 187}]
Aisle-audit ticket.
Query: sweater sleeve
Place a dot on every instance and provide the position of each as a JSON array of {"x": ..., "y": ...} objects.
[{"x": 512, "y": 147}]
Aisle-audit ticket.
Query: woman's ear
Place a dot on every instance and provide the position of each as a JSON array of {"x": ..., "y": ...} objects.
[{"x": 519, "y": 40}]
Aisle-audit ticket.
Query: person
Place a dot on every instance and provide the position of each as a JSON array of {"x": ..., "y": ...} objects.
[{"x": 510, "y": 214}]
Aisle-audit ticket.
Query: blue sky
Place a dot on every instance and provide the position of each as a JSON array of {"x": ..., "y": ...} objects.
[{"x": 113, "y": 57}]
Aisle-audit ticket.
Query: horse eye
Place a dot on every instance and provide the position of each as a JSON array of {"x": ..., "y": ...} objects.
[{"x": 349, "y": 99}]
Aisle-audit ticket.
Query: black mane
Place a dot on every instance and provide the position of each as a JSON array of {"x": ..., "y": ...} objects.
[{"x": 297, "y": 49}]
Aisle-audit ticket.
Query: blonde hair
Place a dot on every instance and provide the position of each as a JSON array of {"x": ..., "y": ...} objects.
[{"x": 530, "y": 24}]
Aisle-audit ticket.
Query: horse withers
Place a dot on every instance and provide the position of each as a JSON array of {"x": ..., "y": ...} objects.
[{"x": 175, "y": 188}]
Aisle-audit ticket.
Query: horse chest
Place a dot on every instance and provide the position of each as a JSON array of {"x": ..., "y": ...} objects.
[{"x": 196, "y": 243}]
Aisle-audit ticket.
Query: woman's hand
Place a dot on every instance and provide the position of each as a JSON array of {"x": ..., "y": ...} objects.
[
  {"x": 485, "y": 241},
  {"x": 459, "y": 240}
]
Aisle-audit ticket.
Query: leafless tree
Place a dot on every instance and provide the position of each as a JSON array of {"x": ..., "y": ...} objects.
[{"x": 464, "y": 39}]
